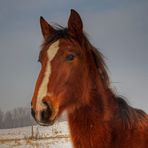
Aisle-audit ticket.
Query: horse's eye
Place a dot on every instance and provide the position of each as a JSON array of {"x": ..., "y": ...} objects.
[{"x": 70, "y": 57}]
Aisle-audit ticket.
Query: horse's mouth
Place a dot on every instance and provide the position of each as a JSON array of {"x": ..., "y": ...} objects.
[{"x": 48, "y": 123}]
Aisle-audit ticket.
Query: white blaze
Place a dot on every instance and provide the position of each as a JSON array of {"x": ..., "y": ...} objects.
[{"x": 51, "y": 52}]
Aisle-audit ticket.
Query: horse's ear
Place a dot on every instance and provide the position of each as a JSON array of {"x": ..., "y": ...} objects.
[
  {"x": 46, "y": 28},
  {"x": 75, "y": 25}
]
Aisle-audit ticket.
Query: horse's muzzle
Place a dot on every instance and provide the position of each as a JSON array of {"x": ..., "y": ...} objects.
[{"x": 43, "y": 117}]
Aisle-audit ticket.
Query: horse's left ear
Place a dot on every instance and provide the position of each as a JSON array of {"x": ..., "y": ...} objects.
[{"x": 75, "y": 25}]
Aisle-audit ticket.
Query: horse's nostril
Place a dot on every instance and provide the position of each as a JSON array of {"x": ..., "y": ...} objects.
[
  {"x": 33, "y": 113},
  {"x": 46, "y": 113}
]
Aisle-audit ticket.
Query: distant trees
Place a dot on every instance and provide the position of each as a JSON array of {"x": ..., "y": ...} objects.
[
  {"x": 18, "y": 117},
  {"x": 1, "y": 118},
  {"x": 7, "y": 120}
]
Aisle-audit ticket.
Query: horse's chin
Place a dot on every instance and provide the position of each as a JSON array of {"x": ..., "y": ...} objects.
[{"x": 48, "y": 123}]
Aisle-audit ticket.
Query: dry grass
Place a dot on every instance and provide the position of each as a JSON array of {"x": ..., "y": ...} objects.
[{"x": 33, "y": 141}]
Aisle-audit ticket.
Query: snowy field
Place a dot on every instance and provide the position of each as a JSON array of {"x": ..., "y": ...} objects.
[{"x": 56, "y": 136}]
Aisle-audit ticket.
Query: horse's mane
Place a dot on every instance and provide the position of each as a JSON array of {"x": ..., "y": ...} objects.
[{"x": 128, "y": 116}]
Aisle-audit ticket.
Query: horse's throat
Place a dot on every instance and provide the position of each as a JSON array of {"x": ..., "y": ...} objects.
[{"x": 87, "y": 128}]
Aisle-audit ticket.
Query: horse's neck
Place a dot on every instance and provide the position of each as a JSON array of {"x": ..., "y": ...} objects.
[
  {"x": 99, "y": 123},
  {"x": 89, "y": 125}
]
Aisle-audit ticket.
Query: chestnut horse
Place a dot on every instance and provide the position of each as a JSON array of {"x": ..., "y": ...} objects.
[{"x": 73, "y": 77}]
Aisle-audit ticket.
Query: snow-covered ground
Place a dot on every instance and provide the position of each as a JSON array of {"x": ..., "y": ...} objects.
[{"x": 56, "y": 136}]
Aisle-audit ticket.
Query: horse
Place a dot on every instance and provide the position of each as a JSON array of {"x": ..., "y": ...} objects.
[{"x": 74, "y": 78}]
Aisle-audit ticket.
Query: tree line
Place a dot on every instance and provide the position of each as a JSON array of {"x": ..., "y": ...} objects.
[{"x": 18, "y": 117}]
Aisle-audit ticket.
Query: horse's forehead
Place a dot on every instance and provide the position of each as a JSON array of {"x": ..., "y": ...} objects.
[
  {"x": 61, "y": 44},
  {"x": 56, "y": 46},
  {"x": 53, "y": 49},
  {"x": 67, "y": 44}
]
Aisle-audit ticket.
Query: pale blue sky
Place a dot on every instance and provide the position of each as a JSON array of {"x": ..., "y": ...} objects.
[{"x": 118, "y": 27}]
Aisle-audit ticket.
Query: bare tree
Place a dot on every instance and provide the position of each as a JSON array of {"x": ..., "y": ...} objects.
[{"x": 7, "y": 120}]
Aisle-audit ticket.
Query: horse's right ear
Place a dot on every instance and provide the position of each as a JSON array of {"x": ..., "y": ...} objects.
[{"x": 46, "y": 28}]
